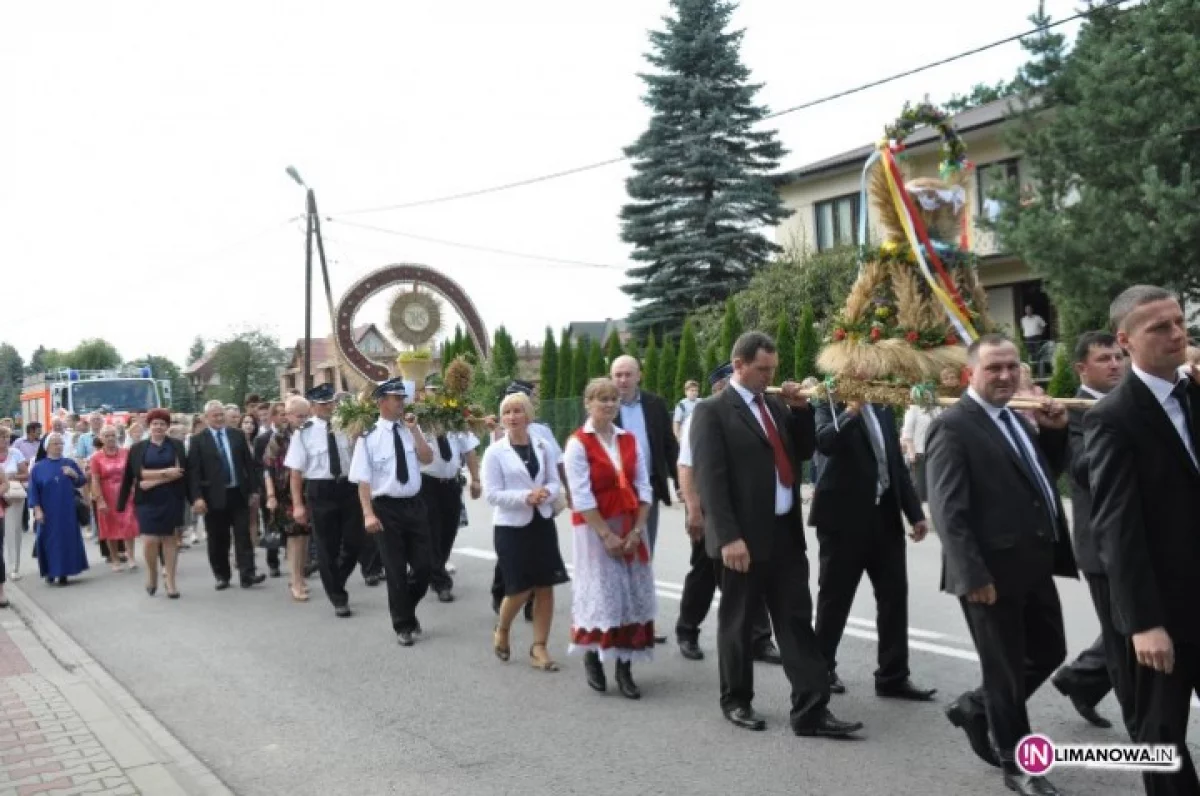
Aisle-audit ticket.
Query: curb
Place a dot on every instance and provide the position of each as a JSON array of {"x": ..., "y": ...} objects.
[{"x": 150, "y": 756}]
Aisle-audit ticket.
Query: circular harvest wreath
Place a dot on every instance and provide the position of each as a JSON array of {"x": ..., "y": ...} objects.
[
  {"x": 954, "y": 151},
  {"x": 415, "y": 317}
]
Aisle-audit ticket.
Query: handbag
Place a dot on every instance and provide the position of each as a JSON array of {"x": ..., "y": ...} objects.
[{"x": 83, "y": 511}]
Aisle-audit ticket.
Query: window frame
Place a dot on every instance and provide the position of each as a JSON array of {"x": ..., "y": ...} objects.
[{"x": 855, "y": 219}]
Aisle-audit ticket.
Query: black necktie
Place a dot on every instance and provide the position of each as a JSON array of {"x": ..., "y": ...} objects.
[
  {"x": 444, "y": 447},
  {"x": 401, "y": 457},
  {"x": 335, "y": 458},
  {"x": 1031, "y": 467}
]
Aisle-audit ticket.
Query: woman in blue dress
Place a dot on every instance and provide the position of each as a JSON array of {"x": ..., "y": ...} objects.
[{"x": 51, "y": 495}]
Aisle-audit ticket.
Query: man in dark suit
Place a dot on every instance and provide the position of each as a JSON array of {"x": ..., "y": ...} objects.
[
  {"x": 261, "y": 443},
  {"x": 1004, "y": 538},
  {"x": 748, "y": 450},
  {"x": 1100, "y": 364},
  {"x": 856, "y": 510},
  {"x": 222, "y": 472},
  {"x": 1143, "y": 449}
]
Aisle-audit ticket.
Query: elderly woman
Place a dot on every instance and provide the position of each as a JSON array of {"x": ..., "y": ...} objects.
[
  {"x": 106, "y": 468},
  {"x": 614, "y": 601},
  {"x": 14, "y": 472},
  {"x": 520, "y": 479},
  {"x": 277, "y": 489},
  {"x": 155, "y": 477},
  {"x": 52, "y": 495}
]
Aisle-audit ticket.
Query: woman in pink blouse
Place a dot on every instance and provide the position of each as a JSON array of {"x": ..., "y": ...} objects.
[{"x": 107, "y": 467}]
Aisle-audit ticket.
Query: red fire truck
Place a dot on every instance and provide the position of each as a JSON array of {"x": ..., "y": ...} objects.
[{"x": 115, "y": 393}]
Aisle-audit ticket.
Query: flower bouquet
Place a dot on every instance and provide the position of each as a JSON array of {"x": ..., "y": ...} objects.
[
  {"x": 450, "y": 410},
  {"x": 355, "y": 415}
]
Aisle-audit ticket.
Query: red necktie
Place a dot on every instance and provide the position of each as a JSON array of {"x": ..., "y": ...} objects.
[{"x": 782, "y": 464}]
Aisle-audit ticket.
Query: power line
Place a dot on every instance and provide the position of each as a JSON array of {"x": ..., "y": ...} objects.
[
  {"x": 802, "y": 106},
  {"x": 473, "y": 247}
]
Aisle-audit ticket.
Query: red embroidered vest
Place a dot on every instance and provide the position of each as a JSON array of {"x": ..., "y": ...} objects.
[{"x": 615, "y": 494}]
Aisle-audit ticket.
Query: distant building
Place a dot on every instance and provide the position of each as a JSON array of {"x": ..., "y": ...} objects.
[
  {"x": 598, "y": 330},
  {"x": 325, "y": 366},
  {"x": 202, "y": 374}
]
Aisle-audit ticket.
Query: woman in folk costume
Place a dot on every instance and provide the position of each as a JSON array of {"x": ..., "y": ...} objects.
[{"x": 614, "y": 601}]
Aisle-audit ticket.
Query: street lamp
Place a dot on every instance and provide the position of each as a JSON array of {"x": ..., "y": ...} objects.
[{"x": 313, "y": 232}]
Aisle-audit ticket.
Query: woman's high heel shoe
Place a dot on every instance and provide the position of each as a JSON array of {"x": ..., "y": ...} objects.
[
  {"x": 500, "y": 643},
  {"x": 543, "y": 661},
  {"x": 151, "y": 590}
]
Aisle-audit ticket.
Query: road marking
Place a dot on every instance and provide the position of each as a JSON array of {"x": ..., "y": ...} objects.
[{"x": 856, "y": 627}]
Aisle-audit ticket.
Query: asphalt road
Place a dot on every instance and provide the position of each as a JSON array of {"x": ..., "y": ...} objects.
[{"x": 283, "y": 698}]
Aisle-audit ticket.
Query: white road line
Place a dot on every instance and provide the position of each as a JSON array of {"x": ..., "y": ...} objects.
[{"x": 856, "y": 627}]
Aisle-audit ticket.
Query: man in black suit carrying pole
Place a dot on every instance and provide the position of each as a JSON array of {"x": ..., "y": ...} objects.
[
  {"x": 1143, "y": 449},
  {"x": 856, "y": 510},
  {"x": 1004, "y": 538},
  {"x": 748, "y": 451},
  {"x": 221, "y": 467},
  {"x": 1100, "y": 365}
]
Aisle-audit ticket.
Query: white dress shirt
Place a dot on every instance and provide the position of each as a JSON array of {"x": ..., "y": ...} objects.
[
  {"x": 784, "y": 499},
  {"x": 374, "y": 462},
  {"x": 579, "y": 471},
  {"x": 221, "y": 440},
  {"x": 309, "y": 451},
  {"x": 461, "y": 443},
  {"x": 506, "y": 481},
  {"x": 994, "y": 413},
  {"x": 1170, "y": 404},
  {"x": 685, "y": 443}
]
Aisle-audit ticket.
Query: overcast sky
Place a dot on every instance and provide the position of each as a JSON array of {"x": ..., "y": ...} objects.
[{"x": 143, "y": 197}]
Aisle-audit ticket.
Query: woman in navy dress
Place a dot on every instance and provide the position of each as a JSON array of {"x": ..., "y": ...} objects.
[
  {"x": 52, "y": 485},
  {"x": 154, "y": 475}
]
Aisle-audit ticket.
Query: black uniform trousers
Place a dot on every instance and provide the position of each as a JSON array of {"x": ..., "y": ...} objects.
[
  {"x": 221, "y": 524},
  {"x": 783, "y": 583},
  {"x": 1020, "y": 641},
  {"x": 404, "y": 543},
  {"x": 443, "y": 500},
  {"x": 878, "y": 548},
  {"x": 1161, "y": 710},
  {"x": 1099, "y": 668},
  {"x": 699, "y": 588},
  {"x": 337, "y": 522}
]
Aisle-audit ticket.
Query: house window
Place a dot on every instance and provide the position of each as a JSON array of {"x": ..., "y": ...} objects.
[
  {"x": 992, "y": 178},
  {"x": 371, "y": 345},
  {"x": 837, "y": 222}
]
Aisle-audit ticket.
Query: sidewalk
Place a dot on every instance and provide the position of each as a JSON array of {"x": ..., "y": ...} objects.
[{"x": 66, "y": 727}]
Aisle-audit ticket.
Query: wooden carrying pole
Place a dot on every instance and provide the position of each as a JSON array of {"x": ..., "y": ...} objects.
[{"x": 1019, "y": 404}]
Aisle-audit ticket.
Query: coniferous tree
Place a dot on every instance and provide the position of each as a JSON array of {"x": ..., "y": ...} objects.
[
  {"x": 469, "y": 350},
  {"x": 667, "y": 365},
  {"x": 1064, "y": 382},
  {"x": 632, "y": 349},
  {"x": 700, "y": 191},
  {"x": 711, "y": 360},
  {"x": 785, "y": 343},
  {"x": 566, "y": 357},
  {"x": 579, "y": 365},
  {"x": 689, "y": 367},
  {"x": 548, "y": 374},
  {"x": 504, "y": 354},
  {"x": 731, "y": 328},
  {"x": 612, "y": 348},
  {"x": 650, "y": 363},
  {"x": 596, "y": 366},
  {"x": 807, "y": 346},
  {"x": 196, "y": 352},
  {"x": 456, "y": 346}
]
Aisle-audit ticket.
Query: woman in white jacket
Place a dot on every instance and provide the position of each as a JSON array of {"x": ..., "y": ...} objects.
[{"x": 520, "y": 479}]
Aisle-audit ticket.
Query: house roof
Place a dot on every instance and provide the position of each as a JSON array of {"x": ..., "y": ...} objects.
[
  {"x": 977, "y": 118},
  {"x": 202, "y": 366},
  {"x": 596, "y": 330},
  {"x": 324, "y": 354}
]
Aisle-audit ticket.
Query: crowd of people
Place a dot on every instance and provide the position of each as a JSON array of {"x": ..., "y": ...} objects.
[{"x": 980, "y": 474}]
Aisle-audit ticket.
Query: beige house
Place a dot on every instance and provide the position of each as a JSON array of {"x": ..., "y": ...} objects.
[
  {"x": 826, "y": 209},
  {"x": 325, "y": 360}
]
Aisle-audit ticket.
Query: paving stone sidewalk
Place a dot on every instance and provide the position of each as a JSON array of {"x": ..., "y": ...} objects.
[{"x": 66, "y": 727}]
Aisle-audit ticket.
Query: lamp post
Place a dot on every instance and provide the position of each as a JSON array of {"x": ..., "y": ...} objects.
[{"x": 313, "y": 232}]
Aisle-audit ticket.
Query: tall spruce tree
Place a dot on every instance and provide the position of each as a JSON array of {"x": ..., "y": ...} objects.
[
  {"x": 1109, "y": 135},
  {"x": 700, "y": 189},
  {"x": 548, "y": 374},
  {"x": 613, "y": 348},
  {"x": 596, "y": 366},
  {"x": 579, "y": 365},
  {"x": 566, "y": 357},
  {"x": 785, "y": 342},
  {"x": 711, "y": 359},
  {"x": 808, "y": 345},
  {"x": 731, "y": 328},
  {"x": 667, "y": 365},
  {"x": 689, "y": 367},
  {"x": 650, "y": 363}
]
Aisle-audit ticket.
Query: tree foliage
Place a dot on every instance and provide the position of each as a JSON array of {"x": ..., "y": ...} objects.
[
  {"x": 12, "y": 376},
  {"x": 566, "y": 360},
  {"x": 650, "y": 362},
  {"x": 504, "y": 355},
  {"x": 980, "y": 94},
  {"x": 548, "y": 375},
  {"x": 700, "y": 189},
  {"x": 248, "y": 363},
  {"x": 689, "y": 366},
  {"x": 808, "y": 345},
  {"x": 613, "y": 347},
  {"x": 1109, "y": 135},
  {"x": 785, "y": 343},
  {"x": 596, "y": 366},
  {"x": 197, "y": 351},
  {"x": 668, "y": 363},
  {"x": 92, "y": 354}
]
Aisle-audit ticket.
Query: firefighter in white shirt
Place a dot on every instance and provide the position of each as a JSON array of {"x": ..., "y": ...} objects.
[
  {"x": 386, "y": 466},
  {"x": 322, "y": 495}
]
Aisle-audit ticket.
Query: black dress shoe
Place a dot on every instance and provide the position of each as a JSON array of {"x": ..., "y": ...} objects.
[
  {"x": 625, "y": 683},
  {"x": 906, "y": 690},
  {"x": 594, "y": 670},
  {"x": 1028, "y": 785},
  {"x": 767, "y": 652},
  {"x": 826, "y": 726},
  {"x": 372, "y": 580},
  {"x": 445, "y": 596},
  {"x": 689, "y": 649},
  {"x": 836, "y": 686},
  {"x": 744, "y": 717},
  {"x": 342, "y": 611},
  {"x": 275, "y": 573},
  {"x": 1089, "y": 712},
  {"x": 405, "y": 638},
  {"x": 976, "y": 727},
  {"x": 253, "y": 580},
  {"x": 222, "y": 585}
]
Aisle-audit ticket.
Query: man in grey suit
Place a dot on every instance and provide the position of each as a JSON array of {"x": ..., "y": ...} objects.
[
  {"x": 747, "y": 456},
  {"x": 1100, "y": 364},
  {"x": 1004, "y": 538}
]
